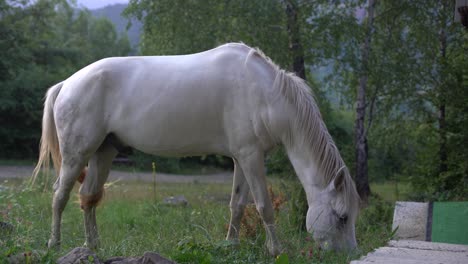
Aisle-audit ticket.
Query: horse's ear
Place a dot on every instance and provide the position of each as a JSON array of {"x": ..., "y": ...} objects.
[{"x": 339, "y": 180}]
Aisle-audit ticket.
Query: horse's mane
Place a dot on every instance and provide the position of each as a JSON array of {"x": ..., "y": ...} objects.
[{"x": 313, "y": 130}]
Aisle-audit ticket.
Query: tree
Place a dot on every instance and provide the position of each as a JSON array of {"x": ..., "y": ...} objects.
[
  {"x": 406, "y": 85},
  {"x": 43, "y": 42},
  {"x": 401, "y": 64},
  {"x": 102, "y": 34},
  {"x": 435, "y": 43},
  {"x": 413, "y": 47},
  {"x": 295, "y": 44},
  {"x": 180, "y": 27},
  {"x": 362, "y": 179}
]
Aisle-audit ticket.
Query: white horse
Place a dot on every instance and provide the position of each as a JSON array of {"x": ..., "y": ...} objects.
[{"x": 231, "y": 100}]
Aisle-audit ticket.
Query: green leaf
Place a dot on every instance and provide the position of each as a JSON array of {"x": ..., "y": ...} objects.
[{"x": 282, "y": 259}]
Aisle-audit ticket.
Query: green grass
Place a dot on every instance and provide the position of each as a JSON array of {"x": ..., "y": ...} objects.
[
  {"x": 391, "y": 191},
  {"x": 132, "y": 220}
]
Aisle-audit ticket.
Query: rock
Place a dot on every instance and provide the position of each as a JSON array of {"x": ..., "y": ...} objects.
[
  {"x": 176, "y": 200},
  {"x": 147, "y": 258},
  {"x": 25, "y": 257},
  {"x": 79, "y": 255},
  {"x": 3, "y": 188},
  {"x": 151, "y": 257},
  {"x": 120, "y": 260},
  {"x": 85, "y": 256},
  {"x": 5, "y": 227}
]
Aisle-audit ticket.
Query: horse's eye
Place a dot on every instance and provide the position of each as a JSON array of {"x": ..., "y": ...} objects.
[{"x": 343, "y": 219}]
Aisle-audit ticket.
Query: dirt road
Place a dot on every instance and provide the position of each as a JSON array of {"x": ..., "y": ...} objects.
[{"x": 21, "y": 172}]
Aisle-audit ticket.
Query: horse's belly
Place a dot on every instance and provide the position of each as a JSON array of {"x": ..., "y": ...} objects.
[
  {"x": 173, "y": 140},
  {"x": 171, "y": 130}
]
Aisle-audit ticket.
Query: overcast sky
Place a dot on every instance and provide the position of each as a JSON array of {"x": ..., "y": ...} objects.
[{"x": 93, "y": 4}]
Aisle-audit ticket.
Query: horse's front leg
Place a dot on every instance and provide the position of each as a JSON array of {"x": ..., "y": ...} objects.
[
  {"x": 239, "y": 195},
  {"x": 252, "y": 163}
]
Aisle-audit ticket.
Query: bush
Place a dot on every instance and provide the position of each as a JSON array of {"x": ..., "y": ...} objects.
[
  {"x": 196, "y": 164},
  {"x": 277, "y": 162},
  {"x": 297, "y": 203},
  {"x": 143, "y": 161}
]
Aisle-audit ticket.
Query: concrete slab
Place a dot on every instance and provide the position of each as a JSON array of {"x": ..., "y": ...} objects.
[
  {"x": 421, "y": 255},
  {"x": 414, "y": 227},
  {"x": 416, "y": 252},
  {"x": 411, "y": 220},
  {"x": 410, "y": 244}
]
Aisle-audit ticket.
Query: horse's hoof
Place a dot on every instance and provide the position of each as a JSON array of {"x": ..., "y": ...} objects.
[
  {"x": 54, "y": 245},
  {"x": 92, "y": 246},
  {"x": 274, "y": 250},
  {"x": 232, "y": 243}
]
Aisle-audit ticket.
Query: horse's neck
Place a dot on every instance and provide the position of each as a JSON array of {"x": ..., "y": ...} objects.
[{"x": 306, "y": 170}]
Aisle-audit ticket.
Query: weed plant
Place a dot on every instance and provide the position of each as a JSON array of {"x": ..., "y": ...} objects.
[{"x": 131, "y": 222}]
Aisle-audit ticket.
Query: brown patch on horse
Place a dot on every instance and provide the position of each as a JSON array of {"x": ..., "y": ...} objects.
[
  {"x": 82, "y": 176},
  {"x": 88, "y": 201}
]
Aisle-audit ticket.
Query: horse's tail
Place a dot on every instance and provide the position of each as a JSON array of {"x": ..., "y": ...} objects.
[{"x": 49, "y": 140}]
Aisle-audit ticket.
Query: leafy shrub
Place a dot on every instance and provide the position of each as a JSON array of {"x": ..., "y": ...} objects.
[
  {"x": 251, "y": 223},
  {"x": 277, "y": 162},
  {"x": 194, "y": 164},
  {"x": 189, "y": 251},
  {"x": 143, "y": 161},
  {"x": 297, "y": 204}
]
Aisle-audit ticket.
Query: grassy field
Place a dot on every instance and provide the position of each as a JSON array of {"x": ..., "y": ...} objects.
[{"x": 132, "y": 220}]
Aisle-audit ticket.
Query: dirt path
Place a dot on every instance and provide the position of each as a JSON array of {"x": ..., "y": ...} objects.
[{"x": 21, "y": 172}]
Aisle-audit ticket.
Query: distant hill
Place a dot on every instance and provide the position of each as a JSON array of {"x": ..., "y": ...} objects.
[{"x": 113, "y": 13}]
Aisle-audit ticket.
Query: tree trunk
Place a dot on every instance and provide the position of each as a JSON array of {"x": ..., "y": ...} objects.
[
  {"x": 297, "y": 55},
  {"x": 362, "y": 179},
  {"x": 295, "y": 46},
  {"x": 441, "y": 95},
  {"x": 442, "y": 136}
]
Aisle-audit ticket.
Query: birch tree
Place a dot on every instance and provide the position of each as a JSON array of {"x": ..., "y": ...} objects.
[{"x": 362, "y": 178}]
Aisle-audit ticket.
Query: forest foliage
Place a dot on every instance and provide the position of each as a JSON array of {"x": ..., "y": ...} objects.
[
  {"x": 42, "y": 43},
  {"x": 417, "y": 107}
]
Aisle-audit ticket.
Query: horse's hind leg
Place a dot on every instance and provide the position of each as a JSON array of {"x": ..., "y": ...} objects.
[
  {"x": 69, "y": 173},
  {"x": 92, "y": 189},
  {"x": 239, "y": 196}
]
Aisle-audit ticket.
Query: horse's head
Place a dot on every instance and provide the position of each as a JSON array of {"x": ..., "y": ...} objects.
[{"x": 332, "y": 215}]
